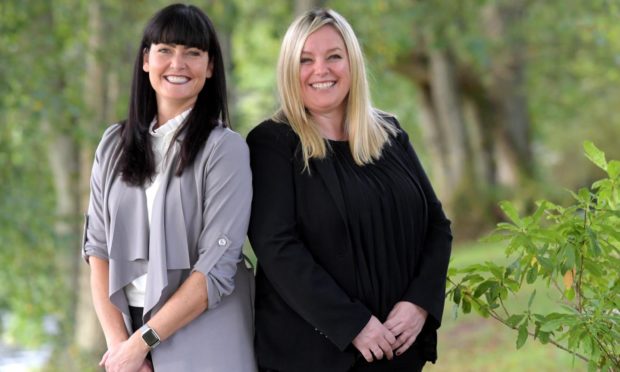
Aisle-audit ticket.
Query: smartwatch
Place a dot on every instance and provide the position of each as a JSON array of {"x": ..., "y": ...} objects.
[{"x": 149, "y": 336}]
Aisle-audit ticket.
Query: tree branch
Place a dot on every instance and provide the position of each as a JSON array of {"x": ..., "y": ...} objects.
[{"x": 497, "y": 317}]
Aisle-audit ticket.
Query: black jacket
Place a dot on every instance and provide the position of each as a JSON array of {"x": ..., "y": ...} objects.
[{"x": 306, "y": 313}]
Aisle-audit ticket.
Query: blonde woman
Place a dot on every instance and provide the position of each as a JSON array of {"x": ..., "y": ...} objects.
[{"x": 352, "y": 243}]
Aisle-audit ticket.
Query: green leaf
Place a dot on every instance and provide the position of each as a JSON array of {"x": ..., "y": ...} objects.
[
  {"x": 510, "y": 211},
  {"x": 529, "y": 302},
  {"x": 532, "y": 274},
  {"x": 455, "y": 311},
  {"x": 613, "y": 169},
  {"x": 514, "y": 320},
  {"x": 584, "y": 195},
  {"x": 594, "y": 246},
  {"x": 546, "y": 263},
  {"x": 473, "y": 278},
  {"x": 552, "y": 324},
  {"x": 495, "y": 270},
  {"x": 543, "y": 337},
  {"x": 540, "y": 210},
  {"x": 483, "y": 287},
  {"x": 569, "y": 256},
  {"x": 595, "y": 155},
  {"x": 522, "y": 335},
  {"x": 466, "y": 306},
  {"x": 575, "y": 336},
  {"x": 457, "y": 295}
]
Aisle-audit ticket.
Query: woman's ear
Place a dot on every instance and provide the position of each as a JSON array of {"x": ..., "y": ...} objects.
[
  {"x": 209, "y": 70},
  {"x": 145, "y": 60}
]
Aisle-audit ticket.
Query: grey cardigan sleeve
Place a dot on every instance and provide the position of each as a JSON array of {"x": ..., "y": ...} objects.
[
  {"x": 227, "y": 197},
  {"x": 95, "y": 239}
]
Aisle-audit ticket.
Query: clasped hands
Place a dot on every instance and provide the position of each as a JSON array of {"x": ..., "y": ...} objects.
[
  {"x": 127, "y": 356},
  {"x": 395, "y": 336}
]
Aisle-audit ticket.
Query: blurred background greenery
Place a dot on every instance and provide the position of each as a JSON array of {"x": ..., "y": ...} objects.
[{"x": 497, "y": 96}]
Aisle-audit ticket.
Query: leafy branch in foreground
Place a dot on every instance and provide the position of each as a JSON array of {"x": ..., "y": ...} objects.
[{"x": 575, "y": 252}]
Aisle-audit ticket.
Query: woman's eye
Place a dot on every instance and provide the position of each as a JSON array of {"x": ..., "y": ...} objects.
[
  {"x": 335, "y": 56},
  {"x": 163, "y": 50},
  {"x": 194, "y": 53},
  {"x": 305, "y": 60}
]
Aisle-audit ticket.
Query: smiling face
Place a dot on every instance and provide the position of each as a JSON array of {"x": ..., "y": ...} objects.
[
  {"x": 325, "y": 75},
  {"x": 177, "y": 74}
]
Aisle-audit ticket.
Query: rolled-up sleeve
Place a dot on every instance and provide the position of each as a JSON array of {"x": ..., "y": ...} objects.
[
  {"x": 226, "y": 212},
  {"x": 94, "y": 238}
]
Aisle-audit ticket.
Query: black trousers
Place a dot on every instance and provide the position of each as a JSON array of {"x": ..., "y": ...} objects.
[
  {"x": 383, "y": 365},
  {"x": 136, "y": 322}
]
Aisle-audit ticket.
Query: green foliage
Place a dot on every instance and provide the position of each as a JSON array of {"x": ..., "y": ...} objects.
[{"x": 574, "y": 250}]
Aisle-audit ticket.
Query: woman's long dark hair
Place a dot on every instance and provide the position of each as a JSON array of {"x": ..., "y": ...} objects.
[{"x": 183, "y": 25}]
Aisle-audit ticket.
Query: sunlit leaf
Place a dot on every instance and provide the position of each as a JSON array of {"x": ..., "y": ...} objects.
[{"x": 595, "y": 155}]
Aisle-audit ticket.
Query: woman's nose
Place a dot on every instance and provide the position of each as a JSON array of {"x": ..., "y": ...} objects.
[
  {"x": 320, "y": 68},
  {"x": 178, "y": 61}
]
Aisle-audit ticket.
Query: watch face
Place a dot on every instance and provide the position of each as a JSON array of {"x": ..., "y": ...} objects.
[{"x": 150, "y": 337}]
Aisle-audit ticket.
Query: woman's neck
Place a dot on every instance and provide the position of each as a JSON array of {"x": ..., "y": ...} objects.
[
  {"x": 167, "y": 111},
  {"x": 331, "y": 125}
]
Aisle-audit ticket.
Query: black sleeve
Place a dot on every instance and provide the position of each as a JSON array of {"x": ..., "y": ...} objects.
[
  {"x": 289, "y": 266},
  {"x": 428, "y": 288}
]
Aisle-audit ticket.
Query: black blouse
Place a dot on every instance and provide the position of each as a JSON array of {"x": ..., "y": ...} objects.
[{"x": 385, "y": 219}]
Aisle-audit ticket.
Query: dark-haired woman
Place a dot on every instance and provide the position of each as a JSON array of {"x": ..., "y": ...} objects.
[{"x": 168, "y": 213}]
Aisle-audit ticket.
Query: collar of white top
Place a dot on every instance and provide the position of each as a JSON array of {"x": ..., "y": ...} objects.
[{"x": 168, "y": 127}]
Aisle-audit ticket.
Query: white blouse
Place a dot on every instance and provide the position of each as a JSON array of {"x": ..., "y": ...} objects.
[{"x": 160, "y": 140}]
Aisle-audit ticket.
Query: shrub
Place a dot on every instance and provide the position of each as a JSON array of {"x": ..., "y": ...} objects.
[{"x": 575, "y": 252}]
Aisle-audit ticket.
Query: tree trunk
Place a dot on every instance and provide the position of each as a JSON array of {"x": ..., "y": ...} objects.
[
  {"x": 457, "y": 119},
  {"x": 448, "y": 102},
  {"x": 507, "y": 92},
  {"x": 88, "y": 334},
  {"x": 302, "y": 6}
]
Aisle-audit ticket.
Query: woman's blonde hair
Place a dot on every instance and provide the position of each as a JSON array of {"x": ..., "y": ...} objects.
[{"x": 368, "y": 130}]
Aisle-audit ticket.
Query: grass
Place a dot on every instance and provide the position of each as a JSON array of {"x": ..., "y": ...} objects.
[{"x": 470, "y": 342}]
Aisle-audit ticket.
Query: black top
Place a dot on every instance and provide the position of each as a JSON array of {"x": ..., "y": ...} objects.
[
  {"x": 384, "y": 214},
  {"x": 307, "y": 306}
]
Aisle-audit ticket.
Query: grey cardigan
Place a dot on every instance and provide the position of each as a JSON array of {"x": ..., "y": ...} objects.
[{"x": 196, "y": 219}]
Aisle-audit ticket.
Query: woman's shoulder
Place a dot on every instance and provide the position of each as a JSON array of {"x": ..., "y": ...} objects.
[
  {"x": 388, "y": 118},
  {"x": 277, "y": 132},
  {"x": 109, "y": 140},
  {"x": 221, "y": 136}
]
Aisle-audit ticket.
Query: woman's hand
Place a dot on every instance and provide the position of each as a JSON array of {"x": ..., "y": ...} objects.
[
  {"x": 374, "y": 341},
  {"x": 405, "y": 321},
  {"x": 127, "y": 356}
]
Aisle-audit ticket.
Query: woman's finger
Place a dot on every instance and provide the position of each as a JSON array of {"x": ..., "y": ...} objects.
[
  {"x": 406, "y": 345},
  {"x": 387, "y": 350},
  {"x": 103, "y": 359},
  {"x": 377, "y": 353},
  {"x": 367, "y": 355}
]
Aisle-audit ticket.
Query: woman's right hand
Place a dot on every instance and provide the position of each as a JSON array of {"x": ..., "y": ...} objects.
[
  {"x": 127, "y": 356},
  {"x": 374, "y": 341},
  {"x": 146, "y": 366}
]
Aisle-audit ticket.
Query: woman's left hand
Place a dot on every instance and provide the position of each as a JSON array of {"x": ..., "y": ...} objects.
[
  {"x": 129, "y": 355},
  {"x": 405, "y": 321}
]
